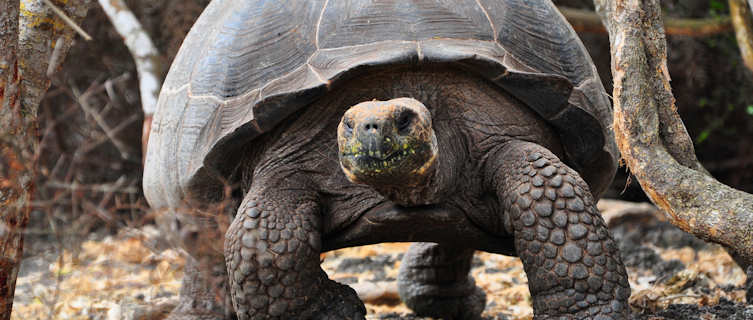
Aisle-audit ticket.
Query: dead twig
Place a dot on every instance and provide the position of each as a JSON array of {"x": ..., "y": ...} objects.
[
  {"x": 616, "y": 211},
  {"x": 117, "y": 186},
  {"x": 68, "y": 20},
  {"x": 742, "y": 20},
  {"x": 110, "y": 133},
  {"x": 584, "y": 20}
]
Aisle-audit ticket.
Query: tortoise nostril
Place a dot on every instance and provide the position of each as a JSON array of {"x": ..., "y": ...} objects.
[{"x": 370, "y": 126}]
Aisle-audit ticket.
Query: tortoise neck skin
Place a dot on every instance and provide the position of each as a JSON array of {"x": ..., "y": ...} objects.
[{"x": 391, "y": 146}]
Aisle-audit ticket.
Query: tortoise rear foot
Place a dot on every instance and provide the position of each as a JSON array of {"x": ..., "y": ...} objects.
[
  {"x": 434, "y": 281},
  {"x": 467, "y": 307},
  {"x": 203, "y": 294}
]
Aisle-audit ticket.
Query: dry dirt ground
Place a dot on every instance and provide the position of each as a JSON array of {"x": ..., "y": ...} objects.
[{"x": 672, "y": 275}]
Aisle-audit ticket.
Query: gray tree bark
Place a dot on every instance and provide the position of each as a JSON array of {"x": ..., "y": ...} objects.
[
  {"x": 653, "y": 140},
  {"x": 15, "y": 188},
  {"x": 31, "y": 38}
]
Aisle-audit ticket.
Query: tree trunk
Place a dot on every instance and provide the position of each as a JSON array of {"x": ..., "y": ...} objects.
[
  {"x": 15, "y": 180},
  {"x": 653, "y": 140},
  {"x": 31, "y": 37}
]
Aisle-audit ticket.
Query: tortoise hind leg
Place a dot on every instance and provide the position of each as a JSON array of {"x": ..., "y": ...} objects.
[
  {"x": 272, "y": 255},
  {"x": 203, "y": 293},
  {"x": 571, "y": 260},
  {"x": 204, "y": 289},
  {"x": 434, "y": 281}
]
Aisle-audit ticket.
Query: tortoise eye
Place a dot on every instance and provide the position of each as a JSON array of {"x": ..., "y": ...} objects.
[
  {"x": 404, "y": 121},
  {"x": 348, "y": 126}
]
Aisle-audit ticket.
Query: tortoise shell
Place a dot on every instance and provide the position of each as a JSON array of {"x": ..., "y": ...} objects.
[{"x": 247, "y": 65}]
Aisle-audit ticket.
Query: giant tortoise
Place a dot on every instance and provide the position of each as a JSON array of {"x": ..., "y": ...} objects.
[{"x": 460, "y": 125}]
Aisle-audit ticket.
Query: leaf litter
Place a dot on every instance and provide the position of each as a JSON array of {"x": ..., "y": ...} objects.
[{"x": 118, "y": 277}]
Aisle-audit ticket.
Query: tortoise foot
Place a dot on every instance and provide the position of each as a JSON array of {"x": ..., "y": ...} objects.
[
  {"x": 467, "y": 307},
  {"x": 610, "y": 311},
  {"x": 203, "y": 294},
  {"x": 337, "y": 302},
  {"x": 434, "y": 282}
]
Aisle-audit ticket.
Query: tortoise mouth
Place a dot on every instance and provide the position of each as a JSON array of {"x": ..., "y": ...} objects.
[
  {"x": 400, "y": 167},
  {"x": 376, "y": 160},
  {"x": 373, "y": 161}
]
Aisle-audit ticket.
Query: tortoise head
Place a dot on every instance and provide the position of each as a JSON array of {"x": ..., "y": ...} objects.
[{"x": 387, "y": 143}]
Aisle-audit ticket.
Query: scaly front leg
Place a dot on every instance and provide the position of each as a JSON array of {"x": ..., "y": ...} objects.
[
  {"x": 272, "y": 254},
  {"x": 571, "y": 260}
]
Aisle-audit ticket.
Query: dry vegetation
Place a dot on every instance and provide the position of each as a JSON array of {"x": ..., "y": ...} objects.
[{"x": 123, "y": 277}]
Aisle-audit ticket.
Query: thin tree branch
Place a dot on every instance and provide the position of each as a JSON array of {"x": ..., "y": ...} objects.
[
  {"x": 584, "y": 20},
  {"x": 144, "y": 54},
  {"x": 68, "y": 20},
  {"x": 111, "y": 133},
  {"x": 742, "y": 19}
]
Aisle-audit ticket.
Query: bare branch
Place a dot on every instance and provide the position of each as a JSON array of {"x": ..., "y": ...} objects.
[
  {"x": 655, "y": 143},
  {"x": 68, "y": 20},
  {"x": 742, "y": 19},
  {"x": 142, "y": 49},
  {"x": 144, "y": 54},
  {"x": 99, "y": 119},
  {"x": 119, "y": 185},
  {"x": 588, "y": 21}
]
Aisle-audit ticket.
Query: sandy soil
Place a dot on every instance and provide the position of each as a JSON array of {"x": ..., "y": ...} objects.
[{"x": 672, "y": 275}]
